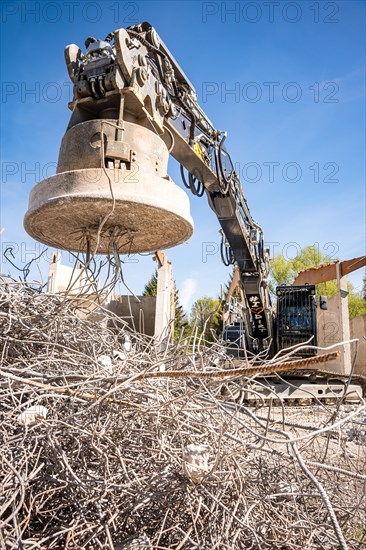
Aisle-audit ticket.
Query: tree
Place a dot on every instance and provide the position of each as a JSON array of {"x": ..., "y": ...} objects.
[
  {"x": 309, "y": 256},
  {"x": 280, "y": 272},
  {"x": 151, "y": 288},
  {"x": 284, "y": 272},
  {"x": 206, "y": 316},
  {"x": 180, "y": 317},
  {"x": 364, "y": 286},
  {"x": 356, "y": 305}
]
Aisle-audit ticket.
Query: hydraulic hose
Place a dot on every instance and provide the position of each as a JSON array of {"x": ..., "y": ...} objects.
[
  {"x": 194, "y": 185},
  {"x": 226, "y": 254}
]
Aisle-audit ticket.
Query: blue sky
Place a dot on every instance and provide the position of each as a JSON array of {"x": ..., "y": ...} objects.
[{"x": 285, "y": 79}]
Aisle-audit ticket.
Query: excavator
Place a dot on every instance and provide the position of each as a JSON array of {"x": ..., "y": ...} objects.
[{"x": 132, "y": 107}]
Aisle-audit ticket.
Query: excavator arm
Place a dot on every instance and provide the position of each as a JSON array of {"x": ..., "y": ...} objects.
[{"x": 199, "y": 147}]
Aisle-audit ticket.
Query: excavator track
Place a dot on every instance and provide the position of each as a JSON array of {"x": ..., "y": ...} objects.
[
  {"x": 304, "y": 387},
  {"x": 300, "y": 386},
  {"x": 327, "y": 374}
]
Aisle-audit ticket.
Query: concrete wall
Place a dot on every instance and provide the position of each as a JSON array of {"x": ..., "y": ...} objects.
[
  {"x": 328, "y": 323},
  {"x": 329, "y": 328},
  {"x": 358, "y": 330},
  {"x": 329, "y": 332},
  {"x": 139, "y": 315}
]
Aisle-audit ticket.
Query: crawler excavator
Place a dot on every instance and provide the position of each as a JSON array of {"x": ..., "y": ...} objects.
[{"x": 133, "y": 106}]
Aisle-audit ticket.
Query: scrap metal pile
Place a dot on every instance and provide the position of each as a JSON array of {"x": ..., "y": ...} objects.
[{"x": 95, "y": 454}]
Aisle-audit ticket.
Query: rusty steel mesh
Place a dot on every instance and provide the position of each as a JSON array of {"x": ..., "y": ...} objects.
[{"x": 95, "y": 456}]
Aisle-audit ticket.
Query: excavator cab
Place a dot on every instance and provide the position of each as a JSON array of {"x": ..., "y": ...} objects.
[{"x": 296, "y": 317}]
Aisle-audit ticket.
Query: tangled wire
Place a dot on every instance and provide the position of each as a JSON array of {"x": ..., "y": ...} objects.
[{"x": 94, "y": 455}]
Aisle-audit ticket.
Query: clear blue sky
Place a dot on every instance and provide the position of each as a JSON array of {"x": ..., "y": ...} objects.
[{"x": 285, "y": 79}]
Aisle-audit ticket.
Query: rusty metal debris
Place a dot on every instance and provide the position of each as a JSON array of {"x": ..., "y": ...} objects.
[
  {"x": 110, "y": 456},
  {"x": 247, "y": 370}
]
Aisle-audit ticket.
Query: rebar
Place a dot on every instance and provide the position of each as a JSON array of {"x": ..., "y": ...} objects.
[{"x": 100, "y": 450}]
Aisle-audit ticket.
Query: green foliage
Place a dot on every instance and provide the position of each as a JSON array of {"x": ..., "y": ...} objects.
[
  {"x": 356, "y": 305},
  {"x": 206, "y": 316},
  {"x": 363, "y": 292},
  {"x": 151, "y": 288},
  {"x": 284, "y": 272},
  {"x": 180, "y": 319},
  {"x": 309, "y": 256},
  {"x": 329, "y": 288},
  {"x": 280, "y": 273}
]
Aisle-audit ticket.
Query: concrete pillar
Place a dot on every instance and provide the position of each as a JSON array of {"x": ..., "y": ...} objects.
[
  {"x": 344, "y": 331},
  {"x": 53, "y": 273},
  {"x": 164, "y": 313}
]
